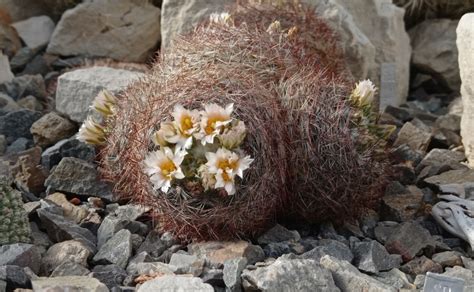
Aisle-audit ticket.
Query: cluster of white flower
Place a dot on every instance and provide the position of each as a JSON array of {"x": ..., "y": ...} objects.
[
  {"x": 91, "y": 131},
  {"x": 201, "y": 145},
  {"x": 363, "y": 94}
]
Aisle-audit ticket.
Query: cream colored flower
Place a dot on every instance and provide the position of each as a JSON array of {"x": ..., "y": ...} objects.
[
  {"x": 364, "y": 92},
  {"x": 234, "y": 136},
  {"x": 213, "y": 120},
  {"x": 274, "y": 27},
  {"x": 220, "y": 18},
  {"x": 208, "y": 179},
  {"x": 104, "y": 103},
  {"x": 164, "y": 134},
  {"x": 226, "y": 164},
  {"x": 186, "y": 123},
  {"x": 91, "y": 132},
  {"x": 163, "y": 166}
]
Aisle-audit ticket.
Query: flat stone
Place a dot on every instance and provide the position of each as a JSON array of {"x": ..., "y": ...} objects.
[
  {"x": 403, "y": 242},
  {"x": 17, "y": 124},
  {"x": 289, "y": 275},
  {"x": 130, "y": 32},
  {"x": 20, "y": 254},
  {"x": 395, "y": 278},
  {"x": 149, "y": 268},
  {"x": 348, "y": 278},
  {"x": 421, "y": 265},
  {"x": 68, "y": 283},
  {"x": 78, "y": 177},
  {"x": 117, "y": 250},
  {"x": 70, "y": 211},
  {"x": 445, "y": 156},
  {"x": 35, "y": 31},
  {"x": 218, "y": 252},
  {"x": 372, "y": 257},
  {"x": 60, "y": 229},
  {"x": 175, "y": 283},
  {"x": 6, "y": 74},
  {"x": 67, "y": 148},
  {"x": 465, "y": 42},
  {"x": 67, "y": 251},
  {"x": 111, "y": 275},
  {"x": 413, "y": 136},
  {"x": 231, "y": 274},
  {"x": 187, "y": 264},
  {"x": 459, "y": 180},
  {"x": 51, "y": 128},
  {"x": 77, "y": 89},
  {"x": 69, "y": 268},
  {"x": 448, "y": 258},
  {"x": 278, "y": 233}
]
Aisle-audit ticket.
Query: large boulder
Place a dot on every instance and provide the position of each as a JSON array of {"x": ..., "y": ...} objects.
[
  {"x": 77, "y": 89},
  {"x": 465, "y": 43},
  {"x": 382, "y": 22},
  {"x": 180, "y": 16},
  {"x": 435, "y": 52},
  {"x": 124, "y": 30}
]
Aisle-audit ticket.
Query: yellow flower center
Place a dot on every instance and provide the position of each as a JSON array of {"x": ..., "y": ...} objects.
[
  {"x": 211, "y": 123},
  {"x": 186, "y": 123},
  {"x": 226, "y": 177},
  {"x": 227, "y": 164},
  {"x": 167, "y": 167}
]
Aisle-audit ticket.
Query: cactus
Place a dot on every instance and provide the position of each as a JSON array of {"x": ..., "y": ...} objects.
[
  {"x": 282, "y": 68},
  {"x": 14, "y": 226}
]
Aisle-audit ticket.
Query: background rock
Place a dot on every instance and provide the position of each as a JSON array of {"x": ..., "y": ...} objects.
[
  {"x": 77, "y": 89},
  {"x": 35, "y": 31},
  {"x": 68, "y": 283},
  {"x": 6, "y": 74},
  {"x": 129, "y": 32}
]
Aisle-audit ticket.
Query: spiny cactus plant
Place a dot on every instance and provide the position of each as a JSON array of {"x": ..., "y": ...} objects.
[
  {"x": 282, "y": 69},
  {"x": 14, "y": 227}
]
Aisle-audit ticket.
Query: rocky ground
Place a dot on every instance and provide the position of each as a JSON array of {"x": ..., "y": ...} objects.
[{"x": 82, "y": 238}]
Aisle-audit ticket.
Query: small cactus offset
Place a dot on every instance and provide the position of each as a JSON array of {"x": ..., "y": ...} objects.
[{"x": 14, "y": 227}]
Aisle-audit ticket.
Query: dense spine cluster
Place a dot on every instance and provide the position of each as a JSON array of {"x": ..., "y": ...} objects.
[{"x": 14, "y": 227}]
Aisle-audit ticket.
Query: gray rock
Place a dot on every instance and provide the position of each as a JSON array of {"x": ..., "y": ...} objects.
[
  {"x": 147, "y": 268},
  {"x": 330, "y": 247},
  {"x": 67, "y": 251},
  {"x": 117, "y": 250},
  {"x": 68, "y": 283},
  {"x": 51, "y": 128},
  {"x": 348, "y": 278},
  {"x": 20, "y": 254},
  {"x": 435, "y": 52},
  {"x": 130, "y": 31},
  {"x": 187, "y": 264},
  {"x": 445, "y": 156},
  {"x": 77, "y": 89},
  {"x": 372, "y": 257},
  {"x": 214, "y": 277},
  {"x": 3, "y": 286},
  {"x": 67, "y": 148},
  {"x": 25, "y": 85},
  {"x": 79, "y": 177},
  {"x": 461, "y": 273},
  {"x": 6, "y": 74},
  {"x": 395, "y": 278},
  {"x": 289, "y": 275},
  {"x": 39, "y": 238},
  {"x": 120, "y": 219},
  {"x": 278, "y": 233},
  {"x": 30, "y": 102},
  {"x": 21, "y": 58},
  {"x": 3, "y": 144},
  {"x": 231, "y": 274},
  {"x": 17, "y": 124},
  {"x": 19, "y": 145},
  {"x": 69, "y": 268},
  {"x": 153, "y": 244},
  {"x": 35, "y": 31},
  {"x": 448, "y": 258},
  {"x": 14, "y": 277},
  {"x": 111, "y": 275},
  {"x": 178, "y": 17},
  {"x": 383, "y": 24},
  {"x": 403, "y": 242},
  {"x": 402, "y": 207},
  {"x": 175, "y": 283},
  {"x": 415, "y": 137},
  {"x": 449, "y": 122},
  {"x": 60, "y": 229},
  {"x": 464, "y": 41},
  {"x": 459, "y": 181}
]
